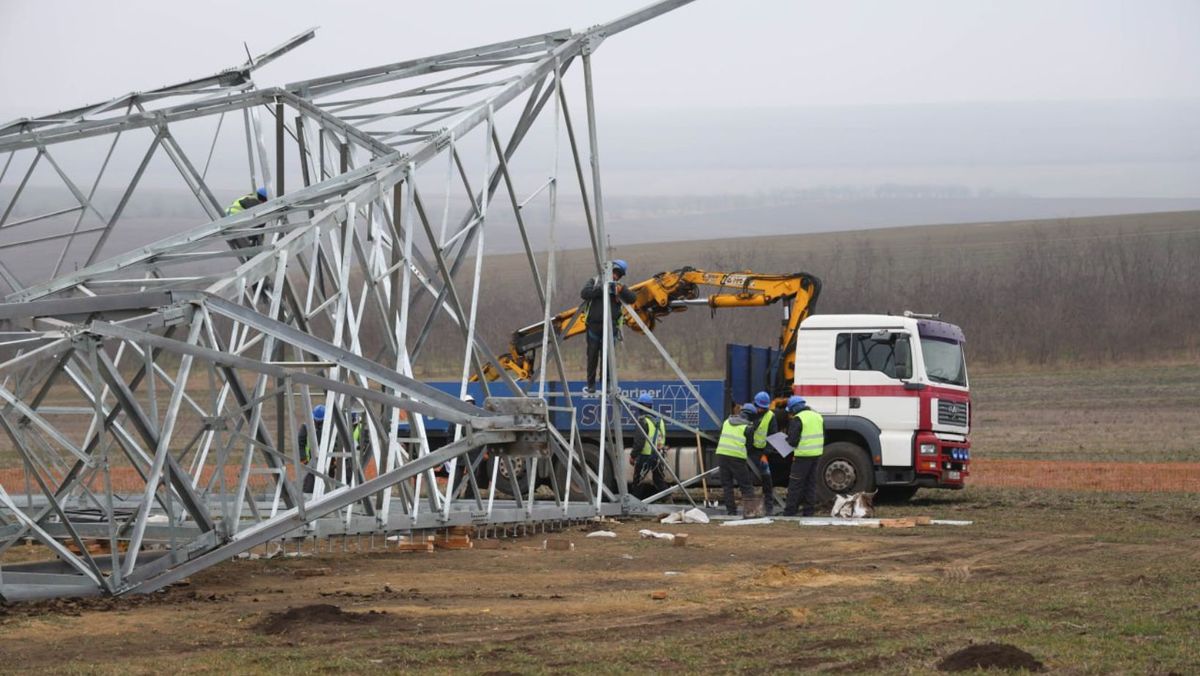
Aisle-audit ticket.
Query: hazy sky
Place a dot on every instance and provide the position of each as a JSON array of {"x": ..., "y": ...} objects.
[{"x": 56, "y": 54}]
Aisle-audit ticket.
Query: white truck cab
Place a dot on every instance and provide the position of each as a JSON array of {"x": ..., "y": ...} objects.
[{"x": 895, "y": 397}]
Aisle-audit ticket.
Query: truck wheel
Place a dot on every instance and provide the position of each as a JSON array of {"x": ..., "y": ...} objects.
[
  {"x": 844, "y": 468},
  {"x": 895, "y": 494},
  {"x": 591, "y": 455},
  {"x": 483, "y": 476}
]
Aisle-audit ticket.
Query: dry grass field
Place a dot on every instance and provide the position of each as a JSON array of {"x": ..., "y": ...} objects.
[{"x": 1081, "y": 558}]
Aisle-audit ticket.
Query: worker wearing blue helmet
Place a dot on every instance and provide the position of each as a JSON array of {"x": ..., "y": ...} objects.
[
  {"x": 246, "y": 201},
  {"x": 593, "y": 311},
  {"x": 732, "y": 461},
  {"x": 649, "y": 442},
  {"x": 806, "y": 434},
  {"x": 764, "y": 426},
  {"x": 308, "y": 443},
  {"x": 241, "y": 204}
]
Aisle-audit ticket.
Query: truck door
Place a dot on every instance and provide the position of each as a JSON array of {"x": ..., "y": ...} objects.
[
  {"x": 822, "y": 370},
  {"x": 877, "y": 393}
]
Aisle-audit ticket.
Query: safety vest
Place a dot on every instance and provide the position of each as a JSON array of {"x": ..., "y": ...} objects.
[
  {"x": 655, "y": 435},
  {"x": 357, "y": 433},
  {"x": 237, "y": 207},
  {"x": 812, "y": 434},
  {"x": 760, "y": 432},
  {"x": 733, "y": 441}
]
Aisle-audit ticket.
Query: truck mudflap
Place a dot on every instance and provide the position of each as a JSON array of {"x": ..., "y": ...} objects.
[{"x": 939, "y": 462}]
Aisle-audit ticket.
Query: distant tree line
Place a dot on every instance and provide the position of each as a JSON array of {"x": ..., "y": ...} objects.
[{"x": 1054, "y": 295}]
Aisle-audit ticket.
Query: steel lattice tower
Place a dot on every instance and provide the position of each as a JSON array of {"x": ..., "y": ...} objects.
[{"x": 155, "y": 397}]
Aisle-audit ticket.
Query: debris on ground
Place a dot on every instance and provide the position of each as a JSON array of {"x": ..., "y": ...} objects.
[
  {"x": 601, "y": 534},
  {"x": 854, "y": 506},
  {"x": 693, "y": 515},
  {"x": 681, "y": 539},
  {"x": 558, "y": 545},
  {"x": 311, "y": 572},
  {"x": 762, "y": 521},
  {"x": 648, "y": 534},
  {"x": 658, "y": 595},
  {"x": 990, "y": 656}
]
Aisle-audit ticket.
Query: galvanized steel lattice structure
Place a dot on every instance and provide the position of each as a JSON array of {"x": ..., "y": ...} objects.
[{"x": 155, "y": 397}]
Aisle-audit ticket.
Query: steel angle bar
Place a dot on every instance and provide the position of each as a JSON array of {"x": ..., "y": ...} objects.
[
  {"x": 290, "y": 520},
  {"x": 630, "y": 404},
  {"x": 42, "y": 217},
  {"x": 230, "y": 77},
  {"x": 662, "y": 351},
  {"x": 679, "y": 486},
  {"x": 330, "y": 84},
  {"x": 432, "y": 406},
  {"x": 625, "y": 401},
  {"x": 92, "y": 128}
]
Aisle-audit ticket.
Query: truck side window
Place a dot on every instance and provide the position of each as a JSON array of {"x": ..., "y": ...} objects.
[
  {"x": 874, "y": 355},
  {"x": 841, "y": 355}
]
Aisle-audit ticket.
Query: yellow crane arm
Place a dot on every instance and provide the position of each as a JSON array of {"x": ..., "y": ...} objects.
[{"x": 675, "y": 291}]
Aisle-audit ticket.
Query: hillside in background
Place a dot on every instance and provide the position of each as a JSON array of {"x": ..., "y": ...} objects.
[{"x": 1085, "y": 290}]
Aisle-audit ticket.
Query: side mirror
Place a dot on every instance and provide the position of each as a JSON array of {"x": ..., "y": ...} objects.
[{"x": 903, "y": 358}]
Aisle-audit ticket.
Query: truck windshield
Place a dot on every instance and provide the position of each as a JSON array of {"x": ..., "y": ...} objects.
[{"x": 944, "y": 361}]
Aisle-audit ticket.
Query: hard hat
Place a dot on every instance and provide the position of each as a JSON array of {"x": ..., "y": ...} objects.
[
  {"x": 319, "y": 412},
  {"x": 262, "y": 194},
  {"x": 645, "y": 399},
  {"x": 469, "y": 398},
  {"x": 762, "y": 400},
  {"x": 749, "y": 408},
  {"x": 622, "y": 266},
  {"x": 795, "y": 403}
]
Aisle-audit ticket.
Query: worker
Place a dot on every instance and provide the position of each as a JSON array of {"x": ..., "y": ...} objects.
[
  {"x": 241, "y": 204},
  {"x": 594, "y": 316},
  {"x": 736, "y": 434},
  {"x": 306, "y": 450},
  {"x": 764, "y": 426},
  {"x": 806, "y": 433},
  {"x": 649, "y": 441},
  {"x": 246, "y": 201}
]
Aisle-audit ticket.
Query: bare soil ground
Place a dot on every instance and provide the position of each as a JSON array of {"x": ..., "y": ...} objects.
[{"x": 1080, "y": 582}]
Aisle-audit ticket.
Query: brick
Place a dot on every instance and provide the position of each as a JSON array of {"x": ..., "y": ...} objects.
[
  {"x": 659, "y": 595},
  {"x": 311, "y": 572},
  {"x": 560, "y": 545},
  {"x": 681, "y": 539}
]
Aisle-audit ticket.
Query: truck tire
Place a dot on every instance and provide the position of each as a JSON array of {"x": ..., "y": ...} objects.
[
  {"x": 844, "y": 468},
  {"x": 483, "y": 476},
  {"x": 896, "y": 494},
  {"x": 591, "y": 455}
]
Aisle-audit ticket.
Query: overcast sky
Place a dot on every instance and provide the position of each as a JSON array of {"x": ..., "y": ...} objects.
[{"x": 56, "y": 54}]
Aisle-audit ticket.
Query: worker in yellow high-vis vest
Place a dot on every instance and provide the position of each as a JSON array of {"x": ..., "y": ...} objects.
[
  {"x": 649, "y": 442},
  {"x": 806, "y": 433},
  {"x": 764, "y": 426},
  {"x": 241, "y": 204},
  {"x": 737, "y": 434}
]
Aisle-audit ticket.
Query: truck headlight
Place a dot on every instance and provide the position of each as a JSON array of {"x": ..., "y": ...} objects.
[{"x": 928, "y": 449}]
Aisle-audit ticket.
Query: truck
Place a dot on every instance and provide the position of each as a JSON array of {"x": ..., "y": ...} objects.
[{"x": 893, "y": 388}]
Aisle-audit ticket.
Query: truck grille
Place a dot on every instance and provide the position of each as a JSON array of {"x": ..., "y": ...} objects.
[{"x": 952, "y": 413}]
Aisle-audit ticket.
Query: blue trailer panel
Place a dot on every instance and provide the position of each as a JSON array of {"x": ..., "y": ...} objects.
[{"x": 671, "y": 398}]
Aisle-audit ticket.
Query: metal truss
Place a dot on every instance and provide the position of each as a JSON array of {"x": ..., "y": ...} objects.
[{"x": 156, "y": 397}]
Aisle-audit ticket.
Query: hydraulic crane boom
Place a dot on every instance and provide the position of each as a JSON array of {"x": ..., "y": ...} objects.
[{"x": 674, "y": 291}]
